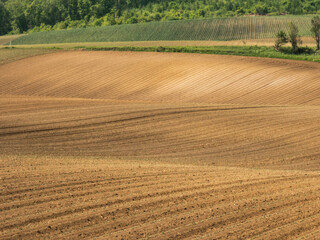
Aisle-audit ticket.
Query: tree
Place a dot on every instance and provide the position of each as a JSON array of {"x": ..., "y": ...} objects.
[
  {"x": 261, "y": 9},
  {"x": 294, "y": 7},
  {"x": 4, "y": 20},
  {"x": 282, "y": 39},
  {"x": 316, "y": 30},
  {"x": 294, "y": 37}
]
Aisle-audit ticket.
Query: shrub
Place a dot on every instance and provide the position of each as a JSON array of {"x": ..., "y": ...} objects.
[{"x": 282, "y": 39}]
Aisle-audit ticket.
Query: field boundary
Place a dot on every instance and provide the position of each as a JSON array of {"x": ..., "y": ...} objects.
[{"x": 248, "y": 51}]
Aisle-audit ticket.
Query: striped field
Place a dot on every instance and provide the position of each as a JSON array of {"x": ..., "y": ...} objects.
[
  {"x": 126, "y": 145},
  {"x": 220, "y": 29}
]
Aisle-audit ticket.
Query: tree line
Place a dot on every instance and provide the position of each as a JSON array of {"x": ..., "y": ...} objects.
[{"x": 18, "y": 16}]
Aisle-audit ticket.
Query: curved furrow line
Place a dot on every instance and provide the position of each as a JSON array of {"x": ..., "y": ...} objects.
[
  {"x": 312, "y": 234},
  {"x": 171, "y": 90},
  {"x": 206, "y": 206},
  {"x": 267, "y": 79},
  {"x": 294, "y": 227},
  {"x": 177, "y": 190},
  {"x": 230, "y": 81},
  {"x": 153, "y": 204},
  {"x": 123, "y": 120},
  {"x": 201, "y": 227},
  {"x": 80, "y": 191},
  {"x": 306, "y": 91},
  {"x": 260, "y": 84},
  {"x": 178, "y": 77},
  {"x": 250, "y": 81},
  {"x": 95, "y": 144},
  {"x": 250, "y": 228},
  {"x": 151, "y": 111},
  {"x": 83, "y": 182},
  {"x": 120, "y": 125},
  {"x": 125, "y": 125},
  {"x": 206, "y": 210},
  {"x": 259, "y": 145},
  {"x": 263, "y": 145}
]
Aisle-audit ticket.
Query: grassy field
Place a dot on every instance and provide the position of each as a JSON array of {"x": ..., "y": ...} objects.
[{"x": 224, "y": 29}]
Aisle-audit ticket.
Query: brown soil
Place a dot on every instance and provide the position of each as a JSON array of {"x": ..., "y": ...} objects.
[
  {"x": 159, "y": 146},
  {"x": 164, "y": 77}
]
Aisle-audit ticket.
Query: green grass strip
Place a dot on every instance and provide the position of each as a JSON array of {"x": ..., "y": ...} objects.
[{"x": 252, "y": 51}]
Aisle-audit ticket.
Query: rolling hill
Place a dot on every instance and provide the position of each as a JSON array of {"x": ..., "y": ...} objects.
[
  {"x": 219, "y": 29},
  {"x": 127, "y": 145}
]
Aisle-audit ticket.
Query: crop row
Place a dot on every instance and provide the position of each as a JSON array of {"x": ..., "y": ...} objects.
[{"x": 222, "y": 29}]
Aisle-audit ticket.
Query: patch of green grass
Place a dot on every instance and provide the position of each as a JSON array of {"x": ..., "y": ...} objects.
[
  {"x": 220, "y": 29},
  {"x": 253, "y": 51},
  {"x": 13, "y": 54}
]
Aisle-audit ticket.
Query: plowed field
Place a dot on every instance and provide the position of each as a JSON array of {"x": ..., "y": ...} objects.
[
  {"x": 164, "y": 77},
  {"x": 103, "y": 145}
]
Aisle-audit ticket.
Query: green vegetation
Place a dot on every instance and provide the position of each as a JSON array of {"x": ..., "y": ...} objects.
[
  {"x": 316, "y": 30},
  {"x": 253, "y": 51},
  {"x": 281, "y": 40},
  {"x": 19, "y": 16},
  {"x": 222, "y": 29},
  {"x": 294, "y": 37}
]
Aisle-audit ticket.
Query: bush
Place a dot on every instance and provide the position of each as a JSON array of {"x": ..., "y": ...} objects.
[
  {"x": 300, "y": 50},
  {"x": 282, "y": 39}
]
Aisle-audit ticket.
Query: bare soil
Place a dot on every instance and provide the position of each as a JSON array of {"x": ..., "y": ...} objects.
[
  {"x": 115, "y": 145},
  {"x": 164, "y": 77}
]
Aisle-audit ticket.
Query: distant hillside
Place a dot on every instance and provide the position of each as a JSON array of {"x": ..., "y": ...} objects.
[
  {"x": 222, "y": 29},
  {"x": 18, "y": 16}
]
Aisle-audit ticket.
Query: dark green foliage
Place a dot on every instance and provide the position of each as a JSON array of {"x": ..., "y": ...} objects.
[
  {"x": 295, "y": 7},
  {"x": 5, "y": 25},
  {"x": 299, "y": 51},
  {"x": 282, "y": 39},
  {"x": 38, "y": 15}
]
